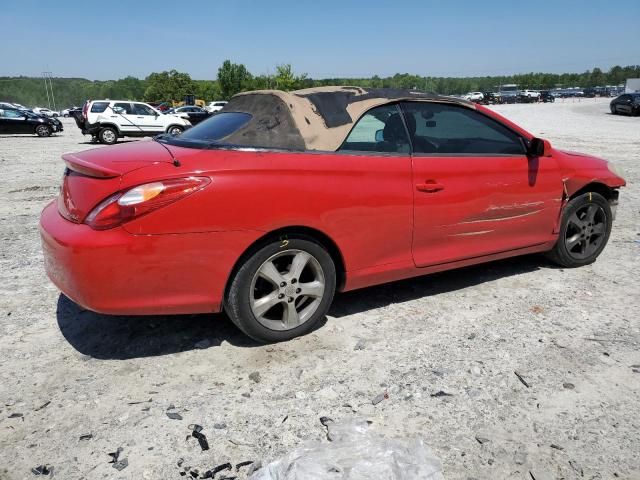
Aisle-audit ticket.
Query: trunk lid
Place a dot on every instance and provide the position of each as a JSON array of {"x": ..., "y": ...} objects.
[{"x": 93, "y": 175}]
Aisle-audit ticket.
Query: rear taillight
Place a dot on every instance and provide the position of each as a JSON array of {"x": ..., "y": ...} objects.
[
  {"x": 124, "y": 206},
  {"x": 85, "y": 109}
]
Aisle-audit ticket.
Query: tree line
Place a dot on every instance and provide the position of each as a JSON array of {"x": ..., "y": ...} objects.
[{"x": 233, "y": 78}]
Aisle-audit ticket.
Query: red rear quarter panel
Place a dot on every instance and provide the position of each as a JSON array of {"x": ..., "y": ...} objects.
[{"x": 363, "y": 203}]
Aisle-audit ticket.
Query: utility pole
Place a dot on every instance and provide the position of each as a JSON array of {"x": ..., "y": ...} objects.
[{"x": 48, "y": 86}]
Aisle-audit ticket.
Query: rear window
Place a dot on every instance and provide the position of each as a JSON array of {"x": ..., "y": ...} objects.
[
  {"x": 217, "y": 127},
  {"x": 99, "y": 107}
]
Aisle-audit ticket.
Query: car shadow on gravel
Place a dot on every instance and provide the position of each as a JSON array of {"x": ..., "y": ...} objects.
[
  {"x": 379, "y": 296},
  {"x": 121, "y": 337}
]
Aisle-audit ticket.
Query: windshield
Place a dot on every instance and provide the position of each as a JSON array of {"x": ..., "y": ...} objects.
[{"x": 212, "y": 130}]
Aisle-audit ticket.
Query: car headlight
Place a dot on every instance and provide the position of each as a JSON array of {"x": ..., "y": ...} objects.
[{"x": 613, "y": 169}]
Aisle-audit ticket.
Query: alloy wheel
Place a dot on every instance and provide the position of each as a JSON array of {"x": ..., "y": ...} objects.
[
  {"x": 586, "y": 229},
  {"x": 287, "y": 289},
  {"x": 42, "y": 130}
]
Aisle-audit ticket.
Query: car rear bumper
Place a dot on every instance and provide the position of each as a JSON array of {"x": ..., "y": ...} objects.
[{"x": 115, "y": 272}]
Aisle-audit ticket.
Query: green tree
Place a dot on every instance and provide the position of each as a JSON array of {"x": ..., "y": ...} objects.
[
  {"x": 286, "y": 80},
  {"x": 171, "y": 85},
  {"x": 233, "y": 78}
]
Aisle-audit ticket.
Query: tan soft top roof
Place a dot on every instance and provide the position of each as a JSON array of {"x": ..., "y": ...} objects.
[{"x": 314, "y": 118}]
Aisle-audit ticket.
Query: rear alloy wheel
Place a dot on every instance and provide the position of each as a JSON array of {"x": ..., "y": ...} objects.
[
  {"x": 43, "y": 131},
  {"x": 175, "y": 130},
  {"x": 108, "y": 136},
  {"x": 584, "y": 232},
  {"x": 282, "y": 291}
]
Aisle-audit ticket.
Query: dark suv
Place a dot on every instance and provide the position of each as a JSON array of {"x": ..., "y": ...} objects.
[{"x": 546, "y": 96}]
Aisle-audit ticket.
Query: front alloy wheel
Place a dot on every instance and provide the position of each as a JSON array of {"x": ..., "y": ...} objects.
[
  {"x": 43, "y": 131},
  {"x": 283, "y": 290},
  {"x": 584, "y": 231}
]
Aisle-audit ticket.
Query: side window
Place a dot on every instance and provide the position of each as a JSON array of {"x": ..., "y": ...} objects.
[
  {"x": 142, "y": 109},
  {"x": 122, "y": 108},
  {"x": 99, "y": 107},
  {"x": 381, "y": 129},
  {"x": 13, "y": 114},
  {"x": 439, "y": 128}
]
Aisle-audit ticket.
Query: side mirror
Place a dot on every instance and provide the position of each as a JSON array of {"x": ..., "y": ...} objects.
[
  {"x": 539, "y": 147},
  {"x": 379, "y": 135}
]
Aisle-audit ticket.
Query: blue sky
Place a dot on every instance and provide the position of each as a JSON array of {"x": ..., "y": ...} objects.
[{"x": 326, "y": 38}]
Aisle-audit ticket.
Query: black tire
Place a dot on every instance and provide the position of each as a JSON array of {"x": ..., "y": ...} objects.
[
  {"x": 175, "y": 130},
  {"x": 613, "y": 109},
  {"x": 240, "y": 292},
  {"x": 108, "y": 135},
  {"x": 582, "y": 238},
  {"x": 43, "y": 131}
]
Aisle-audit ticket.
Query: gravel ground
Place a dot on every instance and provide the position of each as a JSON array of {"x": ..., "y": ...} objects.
[{"x": 572, "y": 336}]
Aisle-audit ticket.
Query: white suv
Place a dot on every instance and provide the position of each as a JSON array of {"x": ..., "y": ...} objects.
[
  {"x": 108, "y": 120},
  {"x": 531, "y": 94},
  {"x": 474, "y": 96},
  {"x": 215, "y": 106}
]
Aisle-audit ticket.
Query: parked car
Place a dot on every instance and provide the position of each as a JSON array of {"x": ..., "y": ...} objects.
[
  {"x": 68, "y": 112},
  {"x": 164, "y": 106},
  {"x": 474, "y": 96},
  {"x": 46, "y": 112},
  {"x": 282, "y": 198},
  {"x": 192, "y": 113},
  {"x": 628, "y": 104},
  {"x": 547, "y": 97},
  {"x": 489, "y": 98},
  {"x": 108, "y": 120},
  {"x": 16, "y": 121},
  {"x": 531, "y": 95},
  {"x": 216, "y": 106}
]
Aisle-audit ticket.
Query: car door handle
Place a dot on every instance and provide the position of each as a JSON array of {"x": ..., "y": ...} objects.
[{"x": 429, "y": 187}]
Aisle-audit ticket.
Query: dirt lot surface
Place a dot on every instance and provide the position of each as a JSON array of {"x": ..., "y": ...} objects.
[{"x": 75, "y": 386}]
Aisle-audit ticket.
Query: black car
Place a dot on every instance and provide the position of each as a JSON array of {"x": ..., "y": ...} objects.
[
  {"x": 628, "y": 103},
  {"x": 192, "y": 113},
  {"x": 546, "y": 96},
  {"x": 13, "y": 120},
  {"x": 490, "y": 98}
]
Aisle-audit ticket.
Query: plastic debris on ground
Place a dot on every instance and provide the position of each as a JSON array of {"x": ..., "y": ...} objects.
[{"x": 355, "y": 454}]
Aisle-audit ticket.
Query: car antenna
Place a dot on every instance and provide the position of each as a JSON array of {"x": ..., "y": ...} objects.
[{"x": 176, "y": 162}]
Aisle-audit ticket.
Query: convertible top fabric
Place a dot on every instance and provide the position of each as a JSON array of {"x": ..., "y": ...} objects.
[{"x": 314, "y": 118}]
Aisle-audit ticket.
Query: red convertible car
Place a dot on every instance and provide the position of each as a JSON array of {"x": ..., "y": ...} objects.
[{"x": 267, "y": 208}]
